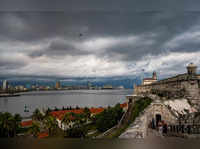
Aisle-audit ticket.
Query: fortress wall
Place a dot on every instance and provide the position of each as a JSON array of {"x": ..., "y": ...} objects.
[
  {"x": 158, "y": 108},
  {"x": 191, "y": 85},
  {"x": 187, "y": 84},
  {"x": 159, "y": 86}
]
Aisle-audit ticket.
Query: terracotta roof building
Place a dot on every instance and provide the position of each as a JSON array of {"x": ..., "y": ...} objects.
[
  {"x": 26, "y": 123},
  {"x": 60, "y": 114},
  {"x": 43, "y": 135}
]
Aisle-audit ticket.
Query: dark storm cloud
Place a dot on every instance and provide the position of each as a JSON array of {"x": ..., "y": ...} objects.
[
  {"x": 58, "y": 48},
  {"x": 113, "y": 31},
  {"x": 139, "y": 5},
  {"x": 37, "y": 26},
  {"x": 11, "y": 64}
]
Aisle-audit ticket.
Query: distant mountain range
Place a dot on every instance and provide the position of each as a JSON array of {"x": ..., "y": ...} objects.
[{"x": 126, "y": 82}]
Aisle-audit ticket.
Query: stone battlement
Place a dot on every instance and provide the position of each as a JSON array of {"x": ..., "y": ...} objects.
[{"x": 188, "y": 82}]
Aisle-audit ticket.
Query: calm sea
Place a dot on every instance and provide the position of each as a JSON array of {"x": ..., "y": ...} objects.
[{"x": 52, "y": 99}]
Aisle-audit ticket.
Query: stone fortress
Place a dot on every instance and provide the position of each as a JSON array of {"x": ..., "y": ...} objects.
[
  {"x": 147, "y": 81},
  {"x": 176, "y": 101},
  {"x": 185, "y": 85}
]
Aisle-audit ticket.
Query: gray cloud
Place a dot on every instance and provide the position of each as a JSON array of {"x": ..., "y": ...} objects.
[
  {"x": 141, "y": 5},
  {"x": 95, "y": 40},
  {"x": 58, "y": 48},
  {"x": 6, "y": 64}
]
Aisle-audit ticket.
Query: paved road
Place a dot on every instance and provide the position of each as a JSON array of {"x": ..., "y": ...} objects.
[{"x": 153, "y": 135}]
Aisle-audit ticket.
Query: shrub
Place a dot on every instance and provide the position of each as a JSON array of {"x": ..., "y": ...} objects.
[
  {"x": 76, "y": 132},
  {"x": 109, "y": 118}
]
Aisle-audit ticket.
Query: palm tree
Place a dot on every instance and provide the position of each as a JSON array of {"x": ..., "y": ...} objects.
[
  {"x": 47, "y": 113},
  {"x": 87, "y": 114},
  {"x": 37, "y": 115},
  {"x": 34, "y": 129},
  {"x": 1, "y": 124},
  {"x": 17, "y": 121},
  {"x": 51, "y": 124},
  {"x": 8, "y": 124}
]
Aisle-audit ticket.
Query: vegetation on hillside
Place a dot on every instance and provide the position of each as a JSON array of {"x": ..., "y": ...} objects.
[
  {"x": 138, "y": 107},
  {"x": 108, "y": 118}
]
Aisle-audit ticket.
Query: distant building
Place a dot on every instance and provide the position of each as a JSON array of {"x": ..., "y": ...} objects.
[
  {"x": 120, "y": 87},
  {"x": 107, "y": 87},
  {"x": 5, "y": 85},
  {"x": 28, "y": 86},
  {"x": 89, "y": 85},
  {"x": 33, "y": 87},
  {"x": 147, "y": 81},
  {"x": 19, "y": 88},
  {"x": 58, "y": 86},
  {"x": 187, "y": 85}
]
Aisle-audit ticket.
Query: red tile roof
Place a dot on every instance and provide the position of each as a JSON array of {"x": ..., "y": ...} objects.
[
  {"x": 96, "y": 110},
  {"x": 43, "y": 135},
  {"x": 123, "y": 105},
  {"x": 60, "y": 114},
  {"x": 27, "y": 123}
]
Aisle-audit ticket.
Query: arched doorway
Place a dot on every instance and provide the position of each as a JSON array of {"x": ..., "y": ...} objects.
[{"x": 158, "y": 119}]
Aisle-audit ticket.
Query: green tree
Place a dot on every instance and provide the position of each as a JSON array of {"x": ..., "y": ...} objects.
[
  {"x": 17, "y": 122},
  {"x": 47, "y": 113},
  {"x": 78, "y": 119},
  {"x": 68, "y": 118},
  {"x": 9, "y": 124},
  {"x": 51, "y": 124},
  {"x": 1, "y": 124},
  {"x": 108, "y": 118},
  {"x": 37, "y": 115},
  {"x": 34, "y": 129},
  {"x": 87, "y": 114},
  {"x": 76, "y": 132}
]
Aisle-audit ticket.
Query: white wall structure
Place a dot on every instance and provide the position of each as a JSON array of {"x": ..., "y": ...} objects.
[{"x": 5, "y": 85}]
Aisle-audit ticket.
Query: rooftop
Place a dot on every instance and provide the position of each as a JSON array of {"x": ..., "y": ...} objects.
[
  {"x": 191, "y": 65},
  {"x": 43, "y": 135},
  {"x": 27, "y": 123},
  {"x": 149, "y": 79},
  {"x": 60, "y": 114}
]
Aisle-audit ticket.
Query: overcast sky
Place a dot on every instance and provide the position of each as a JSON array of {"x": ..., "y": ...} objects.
[{"x": 90, "y": 39}]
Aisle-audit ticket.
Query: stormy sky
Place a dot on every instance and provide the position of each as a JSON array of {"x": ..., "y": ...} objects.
[{"x": 98, "y": 38}]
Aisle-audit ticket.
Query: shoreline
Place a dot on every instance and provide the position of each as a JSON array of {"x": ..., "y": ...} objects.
[{"x": 9, "y": 95}]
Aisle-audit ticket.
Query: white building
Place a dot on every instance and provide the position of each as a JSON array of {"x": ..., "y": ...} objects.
[
  {"x": 147, "y": 81},
  {"x": 5, "y": 85}
]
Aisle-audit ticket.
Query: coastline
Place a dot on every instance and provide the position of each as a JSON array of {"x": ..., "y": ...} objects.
[{"x": 9, "y": 95}]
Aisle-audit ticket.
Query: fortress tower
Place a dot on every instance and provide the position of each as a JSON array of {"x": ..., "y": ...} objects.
[
  {"x": 191, "y": 69},
  {"x": 154, "y": 75}
]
